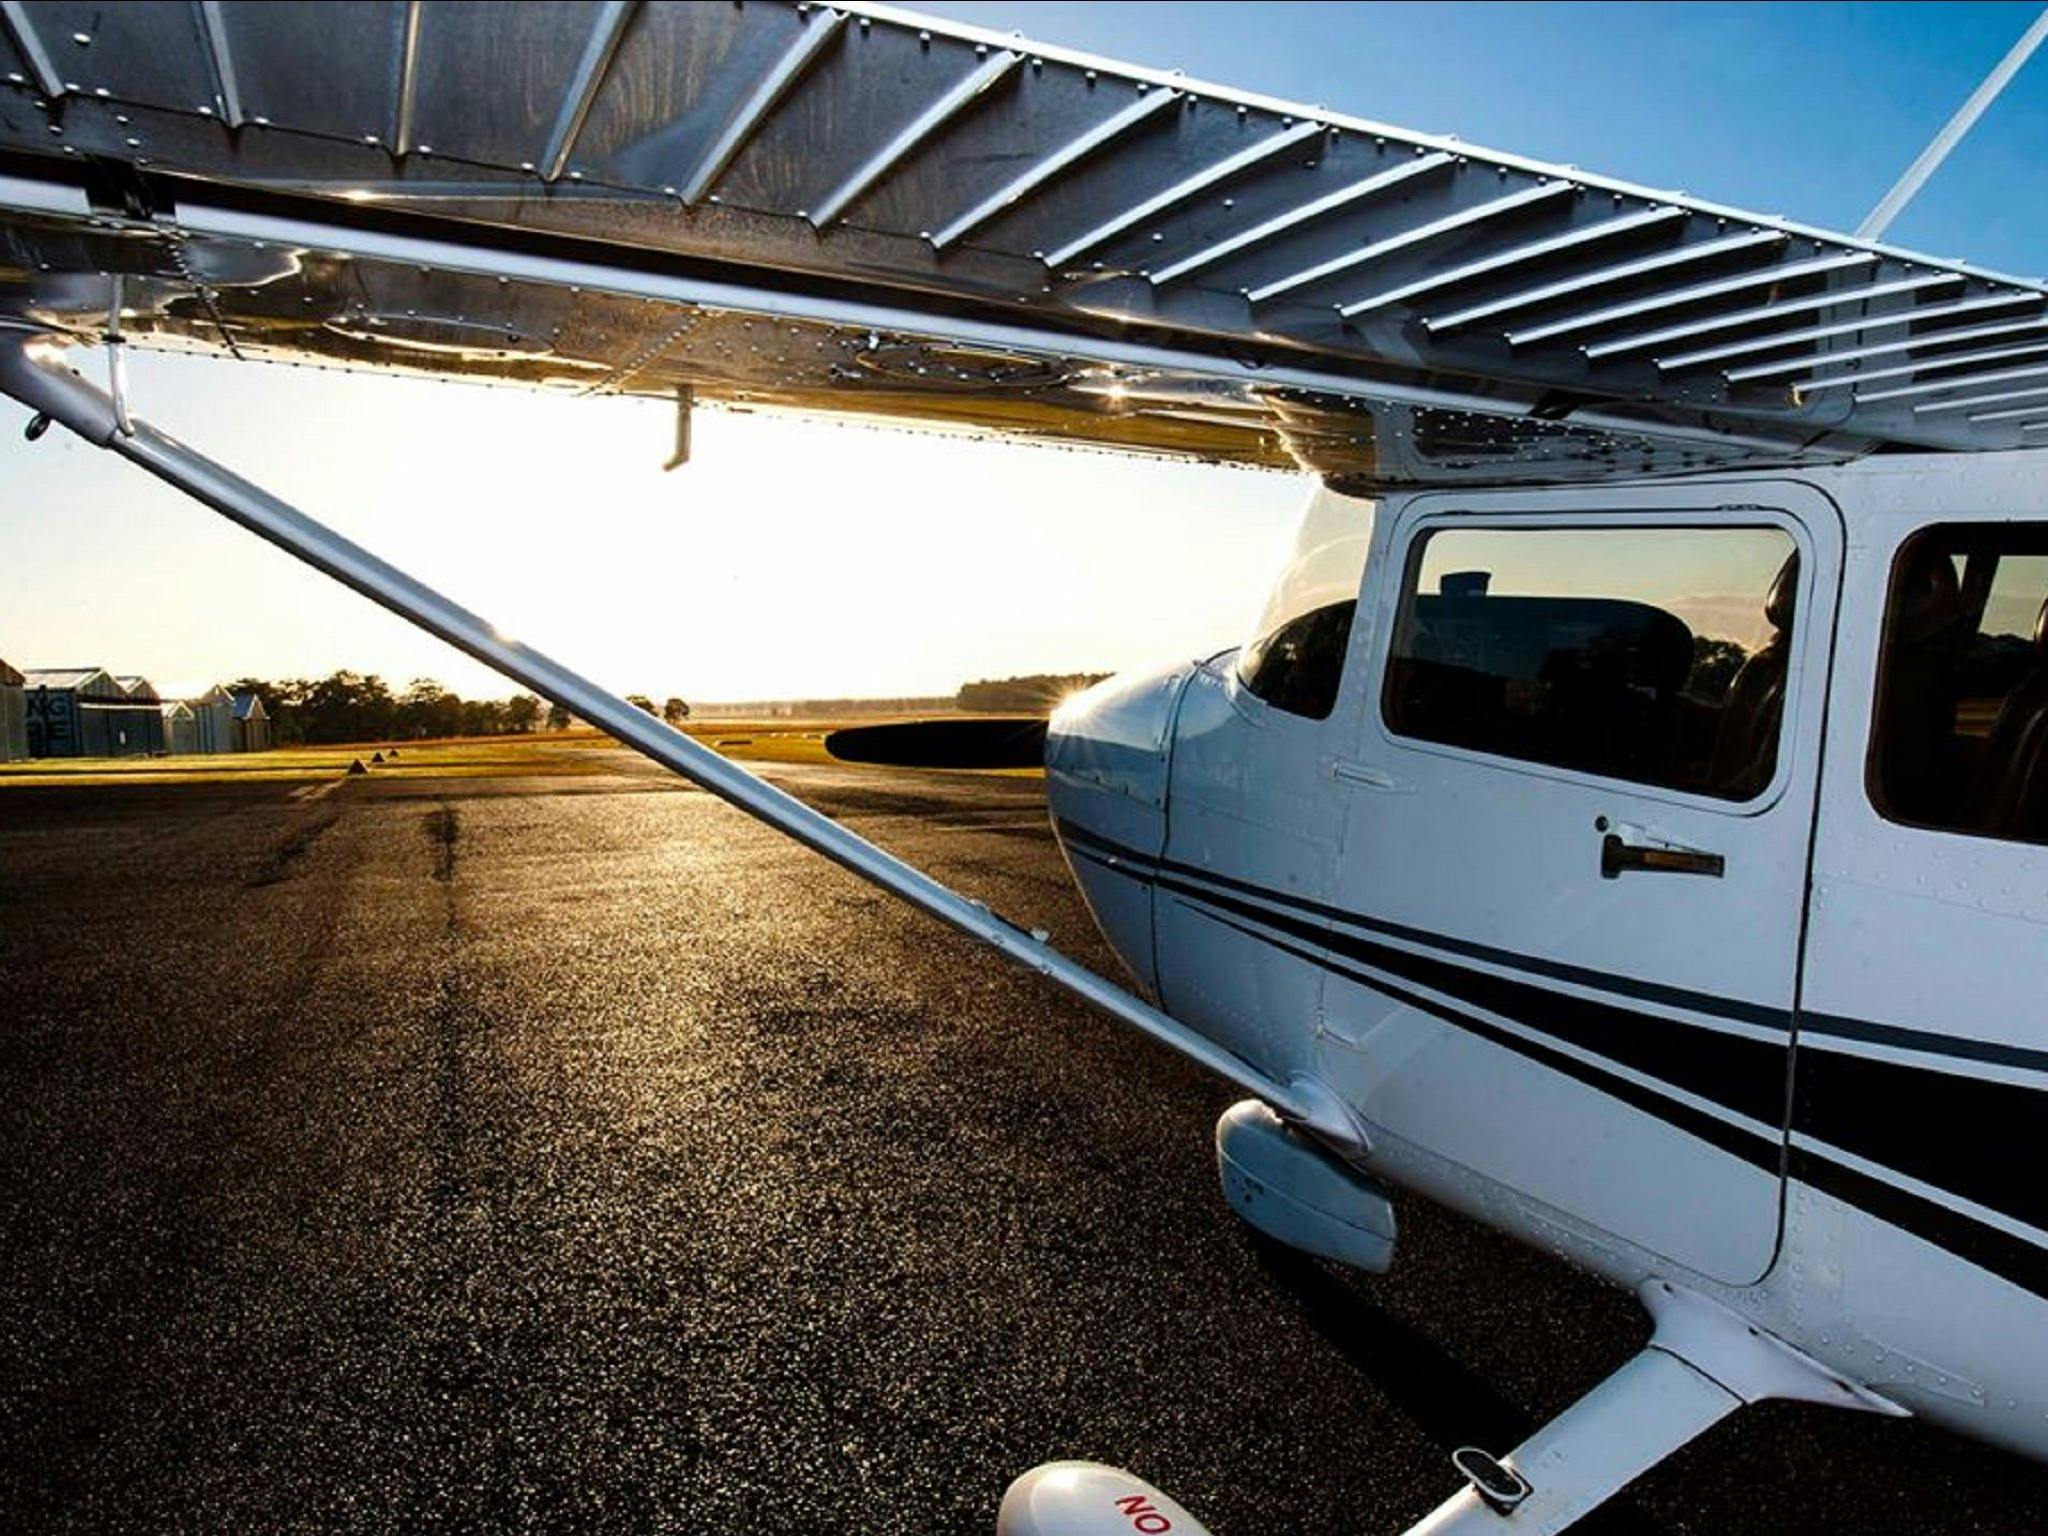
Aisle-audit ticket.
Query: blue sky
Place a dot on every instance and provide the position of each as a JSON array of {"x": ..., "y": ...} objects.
[
  {"x": 1806, "y": 110},
  {"x": 805, "y": 560}
]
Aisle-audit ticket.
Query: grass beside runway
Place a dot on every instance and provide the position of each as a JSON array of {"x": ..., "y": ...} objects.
[
  {"x": 499, "y": 755},
  {"x": 554, "y": 753}
]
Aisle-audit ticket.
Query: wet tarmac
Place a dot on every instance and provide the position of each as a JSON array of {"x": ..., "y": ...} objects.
[{"x": 572, "y": 1154}]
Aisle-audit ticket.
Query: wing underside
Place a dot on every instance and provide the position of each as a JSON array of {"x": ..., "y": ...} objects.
[{"x": 854, "y": 211}]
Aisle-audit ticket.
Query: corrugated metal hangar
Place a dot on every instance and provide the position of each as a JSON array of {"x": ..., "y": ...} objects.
[
  {"x": 228, "y": 722},
  {"x": 84, "y": 712},
  {"x": 89, "y": 712},
  {"x": 252, "y": 723},
  {"x": 13, "y": 716},
  {"x": 213, "y": 721},
  {"x": 181, "y": 728}
]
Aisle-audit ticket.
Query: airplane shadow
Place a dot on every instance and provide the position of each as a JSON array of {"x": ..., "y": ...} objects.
[{"x": 1446, "y": 1401}]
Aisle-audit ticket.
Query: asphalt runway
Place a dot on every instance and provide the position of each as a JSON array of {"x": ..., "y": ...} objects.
[{"x": 573, "y": 1154}]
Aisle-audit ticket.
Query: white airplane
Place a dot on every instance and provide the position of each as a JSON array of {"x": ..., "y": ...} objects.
[{"x": 1629, "y": 825}]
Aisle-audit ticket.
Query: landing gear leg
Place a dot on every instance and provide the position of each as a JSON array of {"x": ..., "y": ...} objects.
[{"x": 1703, "y": 1362}]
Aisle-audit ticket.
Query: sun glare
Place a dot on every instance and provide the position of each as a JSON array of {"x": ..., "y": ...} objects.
[{"x": 789, "y": 559}]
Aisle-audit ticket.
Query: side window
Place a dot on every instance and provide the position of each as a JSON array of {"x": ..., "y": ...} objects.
[
  {"x": 1295, "y": 658},
  {"x": 1960, "y": 742},
  {"x": 1656, "y": 655}
]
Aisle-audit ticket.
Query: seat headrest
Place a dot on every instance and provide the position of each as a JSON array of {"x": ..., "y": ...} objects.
[
  {"x": 1784, "y": 596},
  {"x": 1929, "y": 597},
  {"x": 2041, "y": 627}
]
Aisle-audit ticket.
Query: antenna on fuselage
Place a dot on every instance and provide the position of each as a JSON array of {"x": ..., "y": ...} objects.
[{"x": 1893, "y": 202}]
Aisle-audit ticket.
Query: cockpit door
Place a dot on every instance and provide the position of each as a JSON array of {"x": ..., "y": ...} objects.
[
  {"x": 1251, "y": 811},
  {"x": 1571, "y": 886}
]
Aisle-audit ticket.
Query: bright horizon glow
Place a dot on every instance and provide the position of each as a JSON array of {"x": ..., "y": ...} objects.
[
  {"x": 789, "y": 558},
  {"x": 795, "y": 559}
]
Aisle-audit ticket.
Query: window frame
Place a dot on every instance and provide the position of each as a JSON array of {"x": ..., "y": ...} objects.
[
  {"x": 1243, "y": 686},
  {"x": 1413, "y": 530},
  {"x": 1258, "y": 710},
  {"x": 1964, "y": 528}
]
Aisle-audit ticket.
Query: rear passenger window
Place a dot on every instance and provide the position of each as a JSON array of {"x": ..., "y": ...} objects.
[
  {"x": 1656, "y": 655},
  {"x": 1961, "y": 736}
]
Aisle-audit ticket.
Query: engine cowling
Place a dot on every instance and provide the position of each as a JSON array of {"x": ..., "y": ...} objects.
[{"x": 1108, "y": 754}]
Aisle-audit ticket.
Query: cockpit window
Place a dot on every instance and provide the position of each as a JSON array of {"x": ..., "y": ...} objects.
[
  {"x": 1656, "y": 655},
  {"x": 1961, "y": 737},
  {"x": 1295, "y": 659}
]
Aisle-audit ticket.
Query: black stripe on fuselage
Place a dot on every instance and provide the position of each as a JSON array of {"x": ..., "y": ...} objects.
[
  {"x": 1762, "y": 1151},
  {"x": 1992, "y": 1052},
  {"x": 1314, "y": 944},
  {"x": 1734, "y": 1071},
  {"x": 2014, "y": 1258},
  {"x": 1927, "y": 1124},
  {"x": 1535, "y": 965},
  {"x": 1971, "y": 1136},
  {"x": 1956, "y": 1048}
]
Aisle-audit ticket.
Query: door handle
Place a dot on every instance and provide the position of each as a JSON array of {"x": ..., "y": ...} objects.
[{"x": 1617, "y": 857}]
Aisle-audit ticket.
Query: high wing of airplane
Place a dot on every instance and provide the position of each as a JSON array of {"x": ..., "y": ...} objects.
[{"x": 850, "y": 210}]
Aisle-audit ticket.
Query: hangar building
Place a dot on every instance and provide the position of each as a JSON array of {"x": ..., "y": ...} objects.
[
  {"x": 181, "y": 729},
  {"x": 13, "y": 716},
  {"x": 252, "y": 723},
  {"x": 213, "y": 720},
  {"x": 151, "y": 721},
  {"x": 83, "y": 712},
  {"x": 228, "y": 722}
]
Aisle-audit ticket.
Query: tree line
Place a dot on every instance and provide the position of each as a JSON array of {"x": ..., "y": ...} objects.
[
  {"x": 1036, "y": 694},
  {"x": 361, "y": 706}
]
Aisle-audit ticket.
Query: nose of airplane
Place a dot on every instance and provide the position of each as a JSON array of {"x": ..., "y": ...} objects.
[{"x": 1108, "y": 759}]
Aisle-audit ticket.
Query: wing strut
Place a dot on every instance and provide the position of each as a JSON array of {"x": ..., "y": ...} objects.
[{"x": 33, "y": 371}]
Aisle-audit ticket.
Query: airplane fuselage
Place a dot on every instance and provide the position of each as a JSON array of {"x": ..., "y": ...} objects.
[{"x": 1656, "y": 872}]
